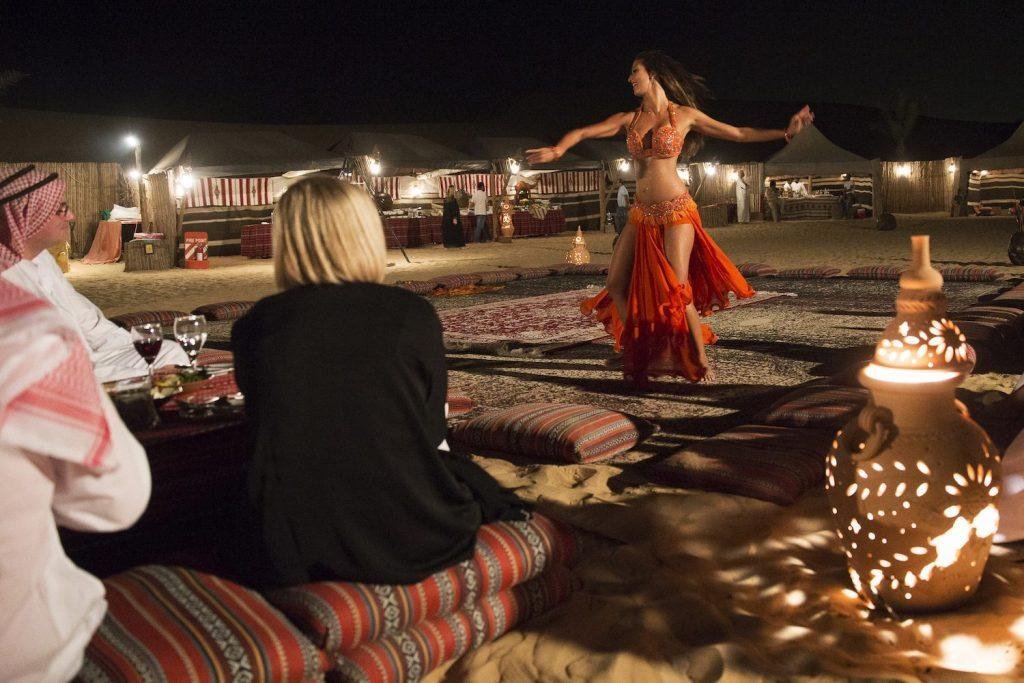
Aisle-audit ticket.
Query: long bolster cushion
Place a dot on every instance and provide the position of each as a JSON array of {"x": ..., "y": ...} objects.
[
  {"x": 176, "y": 624},
  {"x": 338, "y": 616}
]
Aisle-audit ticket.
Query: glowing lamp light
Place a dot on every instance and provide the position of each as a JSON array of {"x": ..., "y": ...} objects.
[
  {"x": 983, "y": 173},
  {"x": 186, "y": 179},
  {"x": 903, "y": 171},
  {"x": 131, "y": 141},
  {"x": 179, "y": 190},
  {"x": 134, "y": 174},
  {"x": 913, "y": 481},
  {"x": 578, "y": 253},
  {"x": 684, "y": 174},
  {"x": 733, "y": 176},
  {"x": 374, "y": 166},
  {"x": 513, "y": 165},
  {"x": 623, "y": 165},
  {"x": 710, "y": 169},
  {"x": 416, "y": 189},
  {"x": 951, "y": 168}
]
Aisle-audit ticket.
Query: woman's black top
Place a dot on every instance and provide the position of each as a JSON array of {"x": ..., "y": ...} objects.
[
  {"x": 344, "y": 389},
  {"x": 451, "y": 225}
]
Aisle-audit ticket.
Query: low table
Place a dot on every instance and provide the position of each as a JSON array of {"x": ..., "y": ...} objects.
[{"x": 803, "y": 208}]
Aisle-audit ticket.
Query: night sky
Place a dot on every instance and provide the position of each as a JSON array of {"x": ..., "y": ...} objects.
[{"x": 357, "y": 62}]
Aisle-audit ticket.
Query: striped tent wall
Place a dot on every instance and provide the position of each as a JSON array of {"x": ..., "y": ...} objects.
[
  {"x": 223, "y": 225},
  {"x": 580, "y": 208},
  {"x": 708, "y": 190},
  {"x": 862, "y": 187},
  {"x": 998, "y": 188},
  {"x": 229, "y": 192},
  {"x": 564, "y": 182},
  {"x": 494, "y": 183},
  {"x": 385, "y": 184}
]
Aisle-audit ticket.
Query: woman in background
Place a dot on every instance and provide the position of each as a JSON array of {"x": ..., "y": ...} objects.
[
  {"x": 345, "y": 386},
  {"x": 665, "y": 270},
  {"x": 451, "y": 221}
]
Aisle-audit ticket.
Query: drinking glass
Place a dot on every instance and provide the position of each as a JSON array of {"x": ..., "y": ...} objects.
[
  {"x": 147, "y": 340},
  {"x": 190, "y": 331}
]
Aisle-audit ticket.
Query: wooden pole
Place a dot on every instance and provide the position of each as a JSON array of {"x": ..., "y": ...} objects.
[
  {"x": 143, "y": 209},
  {"x": 603, "y": 196}
]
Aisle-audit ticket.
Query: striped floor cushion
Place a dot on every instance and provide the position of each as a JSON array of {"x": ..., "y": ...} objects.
[
  {"x": 875, "y": 272},
  {"x": 559, "y": 432},
  {"x": 820, "y": 406},
  {"x": 454, "y": 281},
  {"x": 969, "y": 274},
  {"x": 1013, "y": 294},
  {"x": 586, "y": 269},
  {"x": 809, "y": 273},
  {"x": 755, "y": 269},
  {"x": 533, "y": 273},
  {"x": 409, "y": 655},
  {"x": 338, "y": 616},
  {"x": 224, "y": 310},
  {"x": 459, "y": 403},
  {"x": 164, "y": 318},
  {"x": 211, "y": 356},
  {"x": 497, "y": 277},
  {"x": 418, "y": 286},
  {"x": 175, "y": 624},
  {"x": 776, "y": 464}
]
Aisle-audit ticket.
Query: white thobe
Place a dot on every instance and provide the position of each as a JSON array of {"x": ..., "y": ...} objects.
[
  {"x": 742, "y": 206},
  {"x": 50, "y": 607},
  {"x": 110, "y": 347}
]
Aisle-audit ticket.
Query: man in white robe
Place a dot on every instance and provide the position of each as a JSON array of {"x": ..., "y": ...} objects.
[
  {"x": 742, "y": 203},
  {"x": 110, "y": 347}
]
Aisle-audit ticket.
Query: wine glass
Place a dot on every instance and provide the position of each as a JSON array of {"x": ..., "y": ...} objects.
[
  {"x": 147, "y": 340},
  {"x": 190, "y": 331}
]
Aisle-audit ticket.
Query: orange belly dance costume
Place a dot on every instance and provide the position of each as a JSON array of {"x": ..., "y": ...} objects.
[{"x": 655, "y": 337}]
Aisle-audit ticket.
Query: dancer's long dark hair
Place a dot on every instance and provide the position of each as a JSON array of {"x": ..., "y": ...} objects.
[{"x": 680, "y": 86}]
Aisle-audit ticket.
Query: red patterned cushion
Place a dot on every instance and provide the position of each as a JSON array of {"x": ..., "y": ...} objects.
[
  {"x": 875, "y": 272},
  {"x": 820, "y": 406},
  {"x": 586, "y": 269},
  {"x": 128, "y": 320},
  {"x": 212, "y": 356},
  {"x": 496, "y": 277},
  {"x": 776, "y": 464},
  {"x": 418, "y": 286},
  {"x": 562, "y": 432},
  {"x": 455, "y": 281},
  {"x": 225, "y": 310},
  {"x": 411, "y": 654},
  {"x": 755, "y": 269},
  {"x": 1014, "y": 294},
  {"x": 809, "y": 273},
  {"x": 175, "y": 624},
  {"x": 558, "y": 268},
  {"x": 533, "y": 273},
  {"x": 969, "y": 274},
  {"x": 459, "y": 403},
  {"x": 340, "y": 615}
]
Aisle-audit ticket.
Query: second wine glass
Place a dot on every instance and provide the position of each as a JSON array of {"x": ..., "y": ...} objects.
[{"x": 190, "y": 331}]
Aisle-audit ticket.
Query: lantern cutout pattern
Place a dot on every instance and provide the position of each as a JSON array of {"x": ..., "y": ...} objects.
[
  {"x": 912, "y": 481},
  {"x": 578, "y": 254},
  {"x": 505, "y": 226}
]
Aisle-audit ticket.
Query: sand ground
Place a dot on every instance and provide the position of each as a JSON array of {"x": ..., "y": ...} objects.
[
  {"x": 843, "y": 244},
  {"x": 682, "y": 584}
]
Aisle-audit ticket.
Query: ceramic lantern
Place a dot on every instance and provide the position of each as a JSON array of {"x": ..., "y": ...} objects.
[
  {"x": 578, "y": 254},
  {"x": 505, "y": 227},
  {"x": 912, "y": 480}
]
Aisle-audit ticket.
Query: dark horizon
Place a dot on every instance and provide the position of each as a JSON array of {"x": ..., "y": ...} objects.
[{"x": 392, "y": 62}]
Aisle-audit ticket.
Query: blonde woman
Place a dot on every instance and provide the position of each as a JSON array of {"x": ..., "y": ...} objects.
[{"x": 345, "y": 387}]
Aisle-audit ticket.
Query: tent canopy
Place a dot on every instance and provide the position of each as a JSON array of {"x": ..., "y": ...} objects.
[
  {"x": 1010, "y": 154},
  {"x": 245, "y": 153},
  {"x": 811, "y": 153},
  {"x": 406, "y": 153},
  {"x": 499, "y": 148}
]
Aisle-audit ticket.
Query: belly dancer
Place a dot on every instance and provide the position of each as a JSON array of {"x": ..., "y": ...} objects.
[{"x": 665, "y": 271}]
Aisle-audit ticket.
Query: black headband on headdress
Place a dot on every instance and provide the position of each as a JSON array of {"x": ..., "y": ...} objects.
[{"x": 31, "y": 188}]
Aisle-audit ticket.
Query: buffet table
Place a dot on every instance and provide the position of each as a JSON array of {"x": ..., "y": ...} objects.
[
  {"x": 803, "y": 208},
  {"x": 424, "y": 230}
]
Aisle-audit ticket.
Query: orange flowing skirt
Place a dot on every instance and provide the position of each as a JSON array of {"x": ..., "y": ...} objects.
[{"x": 655, "y": 337}]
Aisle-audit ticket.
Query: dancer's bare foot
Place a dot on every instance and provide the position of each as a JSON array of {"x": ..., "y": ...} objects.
[{"x": 709, "y": 371}]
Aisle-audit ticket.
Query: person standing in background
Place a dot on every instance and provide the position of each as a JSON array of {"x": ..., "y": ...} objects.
[
  {"x": 772, "y": 195},
  {"x": 478, "y": 204},
  {"x": 621, "y": 210},
  {"x": 848, "y": 196},
  {"x": 742, "y": 203}
]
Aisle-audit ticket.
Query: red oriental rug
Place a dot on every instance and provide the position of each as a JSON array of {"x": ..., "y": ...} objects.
[{"x": 537, "y": 320}]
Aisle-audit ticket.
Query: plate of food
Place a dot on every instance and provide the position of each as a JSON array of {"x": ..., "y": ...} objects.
[{"x": 203, "y": 404}]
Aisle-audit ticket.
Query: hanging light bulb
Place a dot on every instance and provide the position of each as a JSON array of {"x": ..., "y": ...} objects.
[
  {"x": 623, "y": 165},
  {"x": 710, "y": 169},
  {"x": 374, "y": 166},
  {"x": 186, "y": 179},
  {"x": 684, "y": 174},
  {"x": 733, "y": 176},
  {"x": 951, "y": 168},
  {"x": 513, "y": 165}
]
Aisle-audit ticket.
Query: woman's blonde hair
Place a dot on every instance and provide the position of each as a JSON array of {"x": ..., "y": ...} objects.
[{"x": 326, "y": 231}]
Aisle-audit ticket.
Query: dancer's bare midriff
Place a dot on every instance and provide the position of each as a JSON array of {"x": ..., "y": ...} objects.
[{"x": 657, "y": 181}]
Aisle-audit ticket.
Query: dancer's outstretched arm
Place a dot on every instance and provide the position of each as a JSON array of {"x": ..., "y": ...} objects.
[
  {"x": 605, "y": 129},
  {"x": 704, "y": 124}
]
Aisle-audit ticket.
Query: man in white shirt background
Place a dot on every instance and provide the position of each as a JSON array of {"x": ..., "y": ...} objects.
[
  {"x": 478, "y": 203},
  {"x": 742, "y": 203},
  {"x": 621, "y": 210}
]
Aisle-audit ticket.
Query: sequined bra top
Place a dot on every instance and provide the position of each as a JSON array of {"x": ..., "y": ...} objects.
[{"x": 665, "y": 142}]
